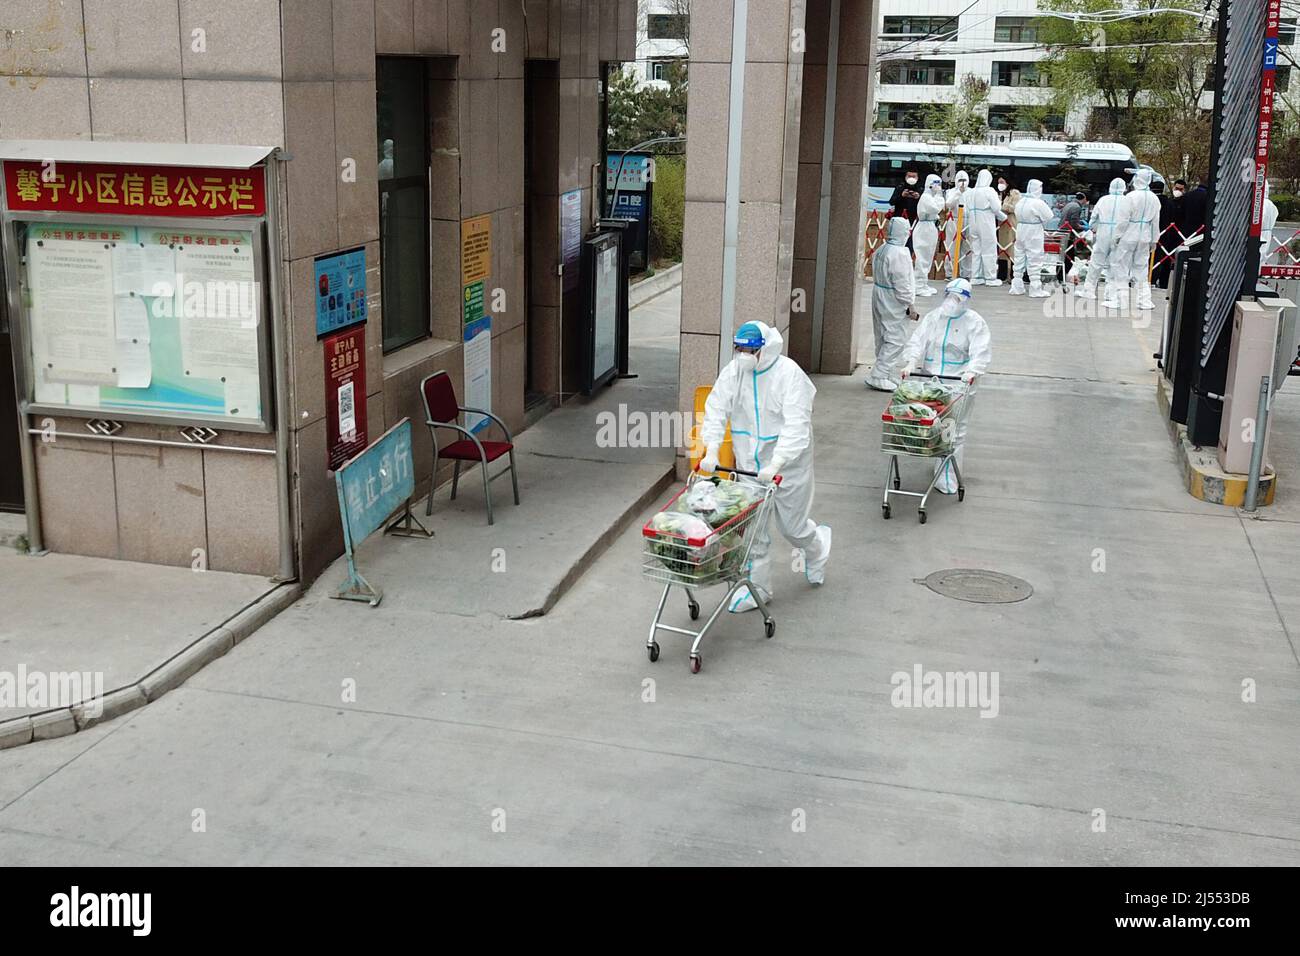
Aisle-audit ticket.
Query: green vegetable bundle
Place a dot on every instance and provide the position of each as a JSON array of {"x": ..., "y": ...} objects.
[
  {"x": 718, "y": 501},
  {"x": 679, "y": 557},
  {"x": 917, "y": 390}
]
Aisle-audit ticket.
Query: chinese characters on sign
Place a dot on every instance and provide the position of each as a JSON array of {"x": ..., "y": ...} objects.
[
  {"x": 133, "y": 190},
  {"x": 345, "y": 395},
  {"x": 475, "y": 249},
  {"x": 1268, "y": 76}
]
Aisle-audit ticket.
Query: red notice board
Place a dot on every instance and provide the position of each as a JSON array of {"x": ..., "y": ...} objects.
[{"x": 345, "y": 394}]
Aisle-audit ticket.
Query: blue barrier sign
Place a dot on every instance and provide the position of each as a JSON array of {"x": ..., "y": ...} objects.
[{"x": 371, "y": 487}]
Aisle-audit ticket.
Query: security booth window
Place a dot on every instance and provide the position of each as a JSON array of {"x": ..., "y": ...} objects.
[{"x": 402, "y": 109}]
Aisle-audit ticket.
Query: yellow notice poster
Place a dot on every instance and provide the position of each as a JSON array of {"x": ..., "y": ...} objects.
[{"x": 476, "y": 249}]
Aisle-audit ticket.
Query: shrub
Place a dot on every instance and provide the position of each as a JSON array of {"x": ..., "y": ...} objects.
[{"x": 668, "y": 212}]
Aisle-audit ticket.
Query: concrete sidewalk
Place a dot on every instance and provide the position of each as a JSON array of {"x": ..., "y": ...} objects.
[{"x": 399, "y": 736}]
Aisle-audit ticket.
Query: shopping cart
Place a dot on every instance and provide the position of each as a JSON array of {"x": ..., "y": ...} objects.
[
  {"x": 720, "y": 557},
  {"x": 905, "y": 429},
  {"x": 1055, "y": 245}
]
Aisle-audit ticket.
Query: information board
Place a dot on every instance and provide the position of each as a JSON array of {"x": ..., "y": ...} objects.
[
  {"x": 99, "y": 189},
  {"x": 340, "y": 290},
  {"x": 345, "y": 394},
  {"x": 160, "y": 321}
]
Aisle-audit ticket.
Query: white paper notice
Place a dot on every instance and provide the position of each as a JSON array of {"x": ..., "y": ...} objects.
[
  {"x": 478, "y": 378},
  {"x": 134, "y": 364},
  {"x": 132, "y": 320},
  {"x": 143, "y": 269},
  {"x": 72, "y": 310},
  {"x": 242, "y": 398},
  {"x": 217, "y": 304},
  {"x": 87, "y": 395},
  {"x": 51, "y": 393}
]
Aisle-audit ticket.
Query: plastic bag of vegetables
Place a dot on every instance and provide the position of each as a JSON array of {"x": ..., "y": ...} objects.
[
  {"x": 718, "y": 501},
  {"x": 673, "y": 551},
  {"x": 918, "y": 390},
  {"x": 906, "y": 428}
]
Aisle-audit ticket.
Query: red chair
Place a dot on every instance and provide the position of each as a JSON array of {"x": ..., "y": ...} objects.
[{"x": 441, "y": 410}]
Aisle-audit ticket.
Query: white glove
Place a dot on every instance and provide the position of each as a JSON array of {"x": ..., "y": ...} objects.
[
  {"x": 906, "y": 371},
  {"x": 771, "y": 470},
  {"x": 710, "y": 460},
  {"x": 968, "y": 377}
]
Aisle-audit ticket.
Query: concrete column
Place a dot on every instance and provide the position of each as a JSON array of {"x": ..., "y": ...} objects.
[
  {"x": 746, "y": 75},
  {"x": 829, "y": 221}
]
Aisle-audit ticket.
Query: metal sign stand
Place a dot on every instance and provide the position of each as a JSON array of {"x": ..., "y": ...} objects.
[{"x": 372, "y": 486}]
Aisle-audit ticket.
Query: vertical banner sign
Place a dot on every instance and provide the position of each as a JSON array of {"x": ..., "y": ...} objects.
[
  {"x": 1268, "y": 75},
  {"x": 345, "y": 394},
  {"x": 476, "y": 266},
  {"x": 340, "y": 291},
  {"x": 632, "y": 174},
  {"x": 571, "y": 240}
]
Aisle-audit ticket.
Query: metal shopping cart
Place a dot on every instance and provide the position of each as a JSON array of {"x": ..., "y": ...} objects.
[
  {"x": 700, "y": 560},
  {"x": 923, "y": 429}
]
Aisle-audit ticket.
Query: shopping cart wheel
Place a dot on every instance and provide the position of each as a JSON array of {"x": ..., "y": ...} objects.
[
  {"x": 653, "y": 651},
  {"x": 921, "y": 514},
  {"x": 770, "y": 626},
  {"x": 695, "y": 611},
  {"x": 961, "y": 494},
  {"x": 884, "y": 510},
  {"x": 695, "y": 664}
]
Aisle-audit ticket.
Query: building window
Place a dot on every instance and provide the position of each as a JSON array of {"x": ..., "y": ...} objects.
[
  {"x": 666, "y": 26},
  {"x": 1017, "y": 118},
  {"x": 935, "y": 28},
  {"x": 901, "y": 116},
  {"x": 1283, "y": 79},
  {"x": 1286, "y": 30},
  {"x": 1012, "y": 73},
  {"x": 920, "y": 73},
  {"x": 1014, "y": 30},
  {"x": 401, "y": 102},
  {"x": 660, "y": 69}
]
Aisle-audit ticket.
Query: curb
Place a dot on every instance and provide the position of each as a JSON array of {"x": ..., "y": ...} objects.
[
  {"x": 661, "y": 282},
  {"x": 168, "y": 675},
  {"x": 1204, "y": 479},
  {"x": 617, "y": 527}
]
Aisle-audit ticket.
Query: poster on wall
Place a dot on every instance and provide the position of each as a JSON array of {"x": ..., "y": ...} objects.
[
  {"x": 571, "y": 239},
  {"x": 340, "y": 291},
  {"x": 478, "y": 372},
  {"x": 475, "y": 249},
  {"x": 144, "y": 319},
  {"x": 345, "y": 395}
]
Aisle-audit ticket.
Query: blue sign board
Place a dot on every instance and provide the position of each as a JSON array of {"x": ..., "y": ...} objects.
[
  {"x": 371, "y": 487},
  {"x": 340, "y": 291},
  {"x": 637, "y": 171}
]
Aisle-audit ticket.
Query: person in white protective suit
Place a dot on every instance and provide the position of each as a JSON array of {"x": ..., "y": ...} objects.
[
  {"x": 956, "y": 200},
  {"x": 1032, "y": 214},
  {"x": 892, "y": 295},
  {"x": 925, "y": 235},
  {"x": 1267, "y": 224},
  {"x": 1106, "y": 227},
  {"x": 953, "y": 339},
  {"x": 769, "y": 401},
  {"x": 1140, "y": 224},
  {"x": 986, "y": 212}
]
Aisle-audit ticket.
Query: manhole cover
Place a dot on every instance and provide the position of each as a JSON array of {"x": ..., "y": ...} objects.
[{"x": 978, "y": 586}]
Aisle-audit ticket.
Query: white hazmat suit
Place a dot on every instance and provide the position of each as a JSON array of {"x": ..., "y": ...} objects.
[
  {"x": 770, "y": 403},
  {"x": 986, "y": 213},
  {"x": 956, "y": 201},
  {"x": 925, "y": 235},
  {"x": 1268, "y": 221},
  {"x": 950, "y": 340},
  {"x": 892, "y": 296},
  {"x": 1140, "y": 222},
  {"x": 1032, "y": 215},
  {"x": 1106, "y": 228}
]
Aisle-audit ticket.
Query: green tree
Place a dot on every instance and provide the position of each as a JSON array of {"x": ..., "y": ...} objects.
[
  {"x": 639, "y": 113},
  {"x": 965, "y": 119},
  {"x": 1139, "y": 79}
]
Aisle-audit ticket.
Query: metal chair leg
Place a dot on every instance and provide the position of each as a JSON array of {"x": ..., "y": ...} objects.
[
  {"x": 487, "y": 489},
  {"x": 455, "y": 479},
  {"x": 514, "y": 475},
  {"x": 433, "y": 485}
]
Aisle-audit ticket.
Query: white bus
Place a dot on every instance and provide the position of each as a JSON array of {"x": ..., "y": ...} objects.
[{"x": 1094, "y": 166}]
